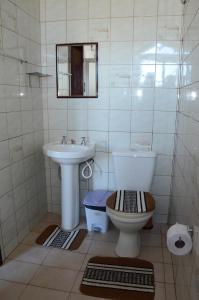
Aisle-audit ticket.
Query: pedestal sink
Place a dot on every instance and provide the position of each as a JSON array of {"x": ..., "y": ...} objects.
[{"x": 69, "y": 156}]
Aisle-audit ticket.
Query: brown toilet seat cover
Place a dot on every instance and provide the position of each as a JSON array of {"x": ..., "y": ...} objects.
[{"x": 131, "y": 201}]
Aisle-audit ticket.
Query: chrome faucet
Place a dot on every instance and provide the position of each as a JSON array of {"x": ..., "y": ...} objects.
[
  {"x": 72, "y": 141},
  {"x": 83, "y": 142},
  {"x": 64, "y": 139}
]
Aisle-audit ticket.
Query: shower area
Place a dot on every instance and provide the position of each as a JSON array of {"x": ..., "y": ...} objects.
[{"x": 184, "y": 207}]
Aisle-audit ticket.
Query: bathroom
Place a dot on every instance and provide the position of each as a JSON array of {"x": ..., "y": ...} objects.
[{"x": 147, "y": 84}]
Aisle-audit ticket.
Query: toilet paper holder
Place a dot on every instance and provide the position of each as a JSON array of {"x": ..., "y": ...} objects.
[
  {"x": 190, "y": 230},
  {"x": 180, "y": 243}
]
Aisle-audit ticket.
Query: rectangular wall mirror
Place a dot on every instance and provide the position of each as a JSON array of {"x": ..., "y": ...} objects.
[{"x": 77, "y": 70}]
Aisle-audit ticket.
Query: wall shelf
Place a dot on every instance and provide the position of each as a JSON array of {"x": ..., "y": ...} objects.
[{"x": 37, "y": 74}]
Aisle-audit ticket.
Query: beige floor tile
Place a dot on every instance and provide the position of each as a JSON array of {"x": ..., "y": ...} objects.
[
  {"x": 150, "y": 239},
  {"x": 156, "y": 229},
  {"x": 30, "y": 238},
  {"x": 164, "y": 241},
  {"x": 102, "y": 248},
  {"x": 110, "y": 236},
  {"x": 32, "y": 254},
  {"x": 164, "y": 228},
  {"x": 87, "y": 257},
  {"x": 168, "y": 269},
  {"x": 166, "y": 256},
  {"x": 37, "y": 293},
  {"x": 74, "y": 296},
  {"x": 77, "y": 283},
  {"x": 153, "y": 254},
  {"x": 160, "y": 291},
  {"x": 18, "y": 271},
  {"x": 84, "y": 246},
  {"x": 10, "y": 290},
  {"x": 64, "y": 259},
  {"x": 54, "y": 278},
  {"x": 40, "y": 227},
  {"x": 170, "y": 292},
  {"x": 52, "y": 218},
  {"x": 159, "y": 272}
]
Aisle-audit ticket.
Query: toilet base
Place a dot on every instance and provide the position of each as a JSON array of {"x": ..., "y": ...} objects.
[{"x": 128, "y": 244}]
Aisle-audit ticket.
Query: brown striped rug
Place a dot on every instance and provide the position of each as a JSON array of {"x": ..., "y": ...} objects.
[
  {"x": 118, "y": 278},
  {"x": 54, "y": 236}
]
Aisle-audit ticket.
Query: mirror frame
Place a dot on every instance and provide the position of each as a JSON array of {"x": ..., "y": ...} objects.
[{"x": 57, "y": 85}]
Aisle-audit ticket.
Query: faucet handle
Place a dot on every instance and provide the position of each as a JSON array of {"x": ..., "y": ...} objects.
[
  {"x": 64, "y": 139},
  {"x": 83, "y": 142},
  {"x": 72, "y": 141}
]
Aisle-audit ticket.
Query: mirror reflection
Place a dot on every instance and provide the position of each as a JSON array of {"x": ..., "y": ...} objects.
[{"x": 77, "y": 70}]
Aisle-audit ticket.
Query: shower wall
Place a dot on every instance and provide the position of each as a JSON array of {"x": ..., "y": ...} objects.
[
  {"x": 22, "y": 183},
  {"x": 185, "y": 184}
]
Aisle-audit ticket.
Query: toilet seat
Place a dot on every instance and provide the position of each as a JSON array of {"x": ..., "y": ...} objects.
[{"x": 130, "y": 203}]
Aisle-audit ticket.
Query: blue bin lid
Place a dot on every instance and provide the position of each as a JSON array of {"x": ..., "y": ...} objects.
[{"x": 96, "y": 198}]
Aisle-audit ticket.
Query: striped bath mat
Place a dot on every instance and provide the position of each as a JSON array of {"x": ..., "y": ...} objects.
[
  {"x": 54, "y": 236},
  {"x": 119, "y": 278}
]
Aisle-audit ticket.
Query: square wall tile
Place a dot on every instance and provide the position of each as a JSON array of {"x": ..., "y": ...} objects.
[
  {"x": 165, "y": 99},
  {"x": 144, "y": 52},
  {"x": 77, "y": 30},
  {"x": 55, "y": 12},
  {"x": 143, "y": 98},
  {"x": 4, "y": 154},
  {"x": 143, "y": 76},
  {"x": 142, "y": 121},
  {"x": 77, "y": 119},
  {"x": 170, "y": 8},
  {"x": 145, "y": 28},
  {"x": 164, "y": 122},
  {"x": 119, "y": 120},
  {"x": 169, "y": 28},
  {"x": 77, "y": 9},
  {"x": 98, "y": 120},
  {"x": 120, "y": 76},
  {"x": 121, "y": 29},
  {"x": 167, "y": 76},
  {"x": 122, "y": 8},
  {"x": 99, "y": 9},
  {"x": 120, "y": 98},
  {"x": 99, "y": 30},
  {"x": 122, "y": 137},
  {"x": 121, "y": 53},
  {"x": 5, "y": 181},
  {"x": 56, "y": 32},
  {"x": 143, "y": 8},
  {"x": 163, "y": 143}
]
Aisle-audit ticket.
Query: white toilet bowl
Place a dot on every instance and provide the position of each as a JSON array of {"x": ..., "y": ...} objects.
[
  {"x": 129, "y": 225},
  {"x": 133, "y": 172}
]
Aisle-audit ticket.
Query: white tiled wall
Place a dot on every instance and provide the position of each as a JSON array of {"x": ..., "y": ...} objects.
[
  {"x": 139, "y": 44},
  {"x": 185, "y": 192},
  {"x": 22, "y": 181}
]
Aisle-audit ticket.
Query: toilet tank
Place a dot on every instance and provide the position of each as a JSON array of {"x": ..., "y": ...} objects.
[{"x": 134, "y": 169}]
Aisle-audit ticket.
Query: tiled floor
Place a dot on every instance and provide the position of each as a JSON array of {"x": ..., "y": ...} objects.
[{"x": 33, "y": 272}]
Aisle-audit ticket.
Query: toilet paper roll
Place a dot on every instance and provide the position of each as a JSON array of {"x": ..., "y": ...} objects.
[{"x": 179, "y": 241}]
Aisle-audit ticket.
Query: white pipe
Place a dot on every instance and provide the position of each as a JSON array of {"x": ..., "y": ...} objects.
[{"x": 90, "y": 171}]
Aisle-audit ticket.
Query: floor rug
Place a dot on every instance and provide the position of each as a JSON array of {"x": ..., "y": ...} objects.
[
  {"x": 54, "y": 236},
  {"x": 118, "y": 278}
]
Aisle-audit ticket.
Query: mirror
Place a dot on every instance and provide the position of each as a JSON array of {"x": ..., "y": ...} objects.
[{"x": 77, "y": 70}]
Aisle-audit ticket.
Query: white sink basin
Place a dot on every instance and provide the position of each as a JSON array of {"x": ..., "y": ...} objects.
[
  {"x": 69, "y": 156},
  {"x": 69, "y": 153}
]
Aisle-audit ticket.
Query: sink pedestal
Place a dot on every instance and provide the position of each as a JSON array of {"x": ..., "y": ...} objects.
[
  {"x": 69, "y": 196},
  {"x": 69, "y": 156}
]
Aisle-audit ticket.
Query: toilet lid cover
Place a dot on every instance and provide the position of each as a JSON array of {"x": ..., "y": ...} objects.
[{"x": 131, "y": 201}]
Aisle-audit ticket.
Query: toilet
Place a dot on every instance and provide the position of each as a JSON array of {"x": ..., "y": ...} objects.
[{"x": 131, "y": 207}]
